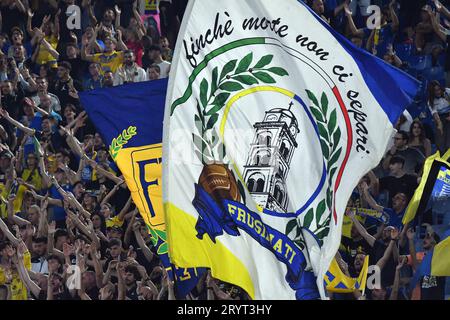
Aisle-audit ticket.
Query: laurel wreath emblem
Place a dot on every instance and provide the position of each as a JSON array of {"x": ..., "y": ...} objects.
[
  {"x": 330, "y": 135},
  {"x": 121, "y": 140},
  {"x": 233, "y": 77}
]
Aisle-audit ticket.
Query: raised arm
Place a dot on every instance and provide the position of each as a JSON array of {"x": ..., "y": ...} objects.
[
  {"x": 361, "y": 230},
  {"x": 23, "y": 273},
  {"x": 4, "y": 228},
  {"x": 148, "y": 254},
  {"x": 30, "y": 15},
  {"x": 387, "y": 253},
  {"x": 97, "y": 266},
  {"x": 56, "y": 22},
  {"x": 111, "y": 193},
  {"x": 121, "y": 289},
  {"x": 128, "y": 232},
  {"x": 367, "y": 196},
  {"x": 395, "y": 21},
  {"x": 20, "y": 6},
  {"x": 437, "y": 28},
  {"x": 412, "y": 248},
  {"x": 394, "y": 292},
  {"x": 442, "y": 9},
  {"x": 16, "y": 123},
  {"x": 120, "y": 44},
  {"x": 43, "y": 229},
  {"x": 355, "y": 31}
]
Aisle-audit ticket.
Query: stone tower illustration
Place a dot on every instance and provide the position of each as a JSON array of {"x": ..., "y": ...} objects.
[{"x": 269, "y": 158}]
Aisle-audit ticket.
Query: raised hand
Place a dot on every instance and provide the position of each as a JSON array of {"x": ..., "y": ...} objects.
[
  {"x": 46, "y": 19},
  {"x": 67, "y": 249},
  {"x": 394, "y": 234},
  {"x": 410, "y": 234},
  {"x": 401, "y": 262},
  {"x": 52, "y": 227},
  {"x": 30, "y": 13},
  {"x": 117, "y": 9}
]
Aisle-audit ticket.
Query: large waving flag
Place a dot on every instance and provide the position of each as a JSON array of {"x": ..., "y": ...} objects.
[
  {"x": 129, "y": 118},
  {"x": 271, "y": 119}
]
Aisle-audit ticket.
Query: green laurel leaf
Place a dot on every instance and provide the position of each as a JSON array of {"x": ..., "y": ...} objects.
[
  {"x": 231, "y": 86},
  {"x": 264, "y": 61},
  {"x": 163, "y": 249},
  {"x": 317, "y": 114},
  {"x": 336, "y": 138},
  {"x": 332, "y": 121},
  {"x": 125, "y": 135},
  {"x": 329, "y": 198},
  {"x": 323, "y": 132},
  {"x": 325, "y": 149},
  {"x": 264, "y": 77},
  {"x": 322, "y": 234},
  {"x": 162, "y": 235},
  {"x": 200, "y": 113},
  {"x": 214, "y": 109},
  {"x": 132, "y": 131},
  {"x": 221, "y": 98},
  {"x": 215, "y": 75},
  {"x": 320, "y": 210},
  {"x": 291, "y": 225},
  {"x": 212, "y": 121},
  {"x": 229, "y": 66},
  {"x": 334, "y": 158},
  {"x": 154, "y": 236},
  {"x": 248, "y": 80},
  {"x": 308, "y": 218},
  {"x": 204, "y": 92},
  {"x": 324, "y": 103},
  {"x": 313, "y": 98},
  {"x": 278, "y": 71},
  {"x": 245, "y": 63},
  {"x": 332, "y": 172}
]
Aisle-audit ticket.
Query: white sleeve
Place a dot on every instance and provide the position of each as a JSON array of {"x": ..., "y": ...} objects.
[
  {"x": 432, "y": 111},
  {"x": 142, "y": 75}
]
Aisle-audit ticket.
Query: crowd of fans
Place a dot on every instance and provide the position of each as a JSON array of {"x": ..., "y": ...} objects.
[
  {"x": 64, "y": 203},
  {"x": 412, "y": 36}
]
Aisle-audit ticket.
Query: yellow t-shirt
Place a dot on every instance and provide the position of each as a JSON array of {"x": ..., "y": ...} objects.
[
  {"x": 115, "y": 221},
  {"x": 4, "y": 195},
  {"x": 109, "y": 61},
  {"x": 18, "y": 289},
  {"x": 44, "y": 55},
  {"x": 31, "y": 177}
]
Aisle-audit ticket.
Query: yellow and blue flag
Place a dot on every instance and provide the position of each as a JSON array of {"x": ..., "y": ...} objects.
[
  {"x": 440, "y": 261},
  {"x": 130, "y": 119},
  {"x": 435, "y": 183},
  {"x": 336, "y": 281}
]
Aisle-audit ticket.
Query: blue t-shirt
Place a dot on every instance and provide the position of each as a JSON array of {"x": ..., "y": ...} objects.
[
  {"x": 395, "y": 220},
  {"x": 59, "y": 213},
  {"x": 386, "y": 37},
  {"x": 35, "y": 124}
]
